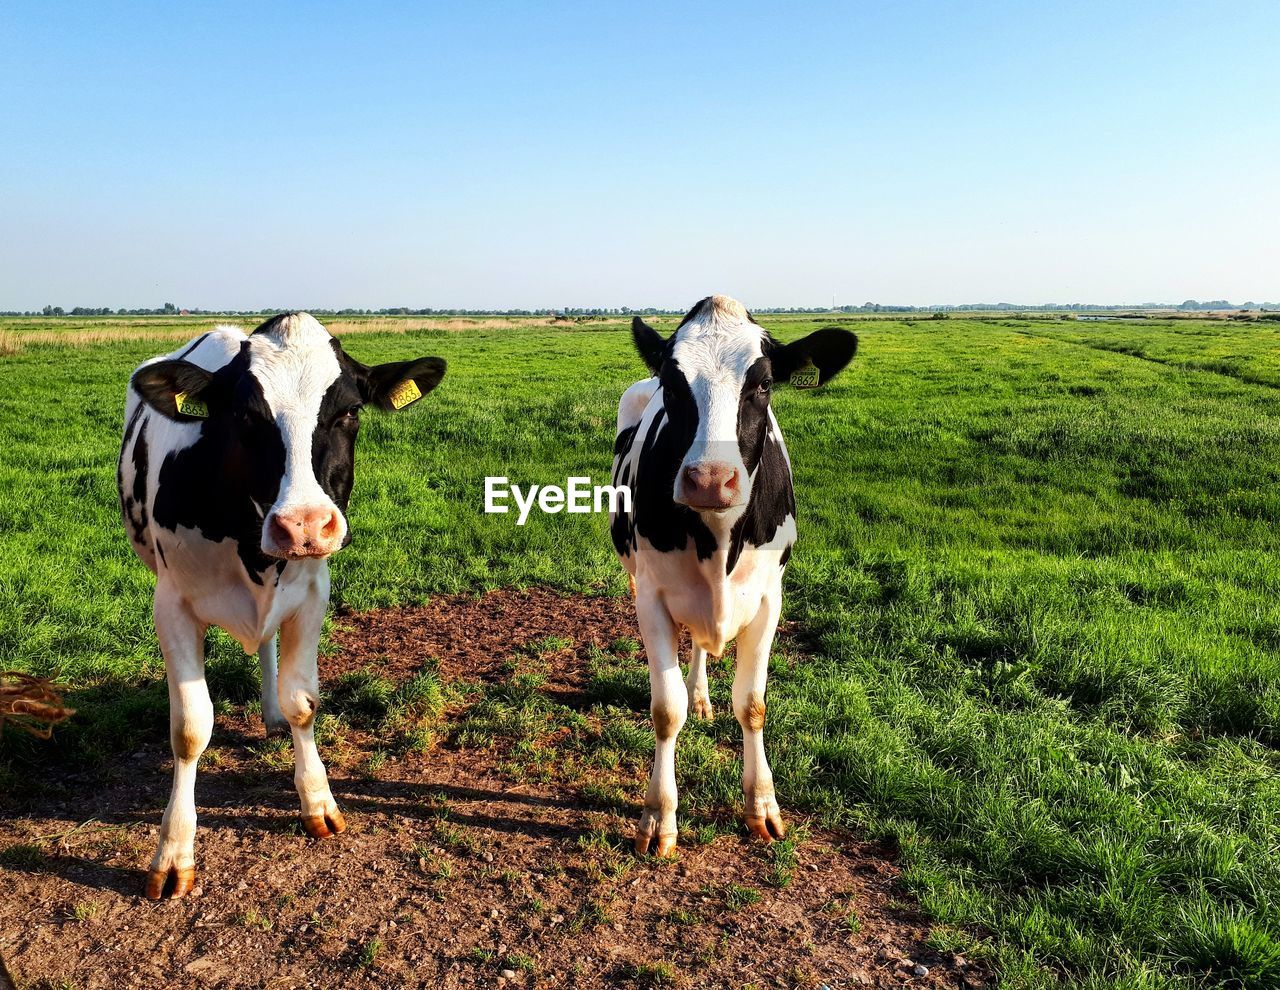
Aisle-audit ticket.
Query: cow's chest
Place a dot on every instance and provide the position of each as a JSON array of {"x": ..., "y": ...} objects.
[
  {"x": 699, "y": 595},
  {"x": 211, "y": 577}
]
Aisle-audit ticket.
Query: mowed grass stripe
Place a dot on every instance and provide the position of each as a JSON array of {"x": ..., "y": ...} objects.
[
  {"x": 1247, "y": 351},
  {"x": 1035, "y": 588}
]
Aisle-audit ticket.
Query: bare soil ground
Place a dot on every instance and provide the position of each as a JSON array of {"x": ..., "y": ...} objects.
[{"x": 454, "y": 872}]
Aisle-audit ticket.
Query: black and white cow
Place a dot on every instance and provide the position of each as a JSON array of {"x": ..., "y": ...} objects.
[
  {"x": 711, "y": 525},
  {"x": 235, "y": 470}
]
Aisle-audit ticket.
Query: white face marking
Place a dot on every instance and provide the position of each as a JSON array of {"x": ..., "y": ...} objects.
[
  {"x": 295, "y": 364},
  {"x": 715, "y": 350}
]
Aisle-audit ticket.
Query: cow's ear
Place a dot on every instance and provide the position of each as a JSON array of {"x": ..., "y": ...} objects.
[
  {"x": 649, "y": 343},
  {"x": 176, "y": 389},
  {"x": 813, "y": 360},
  {"x": 394, "y": 386}
]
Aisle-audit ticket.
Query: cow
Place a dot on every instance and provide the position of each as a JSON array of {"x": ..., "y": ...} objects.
[
  {"x": 710, "y": 527},
  {"x": 235, "y": 471}
]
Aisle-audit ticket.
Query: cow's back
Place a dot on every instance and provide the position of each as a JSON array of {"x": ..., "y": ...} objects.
[{"x": 149, "y": 437}]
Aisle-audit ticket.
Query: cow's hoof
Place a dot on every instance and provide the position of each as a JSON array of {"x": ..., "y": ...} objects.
[
  {"x": 768, "y": 827},
  {"x": 183, "y": 877},
  {"x": 663, "y": 845},
  {"x": 323, "y": 826},
  {"x": 701, "y": 706}
]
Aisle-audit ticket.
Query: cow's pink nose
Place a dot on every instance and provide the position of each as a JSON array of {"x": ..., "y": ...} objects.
[
  {"x": 710, "y": 485},
  {"x": 307, "y": 531}
]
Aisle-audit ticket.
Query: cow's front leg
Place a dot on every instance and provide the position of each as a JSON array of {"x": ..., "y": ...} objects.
[
  {"x": 181, "y": 635},
  {"x": 669, "y": 705},
  {"x": 272, "y": 716},
  {"x": 696, "y": 685},
  {"x": 299, "y": 691},
  {"x": 754, "y": 642}
]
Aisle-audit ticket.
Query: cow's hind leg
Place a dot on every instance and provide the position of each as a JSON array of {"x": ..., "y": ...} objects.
[
  {"x": 272, "y": 715},
  {"x": 299, "y": 691},
  {"x": 181, "y": 638},
  {"x": 669, "y": 706},
  {"x": 696, "y": 684},
  {"x": 754, "y": 642}
]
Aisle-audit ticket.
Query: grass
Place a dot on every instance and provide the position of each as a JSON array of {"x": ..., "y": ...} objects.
[
  {"x": 85, "y": 910},
  {"x": 1037, "y": 598},
  {"x": 736, "y": 896},
  {"x": 521, "y": 963},
  {"x": 253, "y": 918},
  {"x": 22, "y": 856},
  {"x": 370, "y": 951},
  {"x": 652, "y": 974},
  {"x": 782, "y": 861}
]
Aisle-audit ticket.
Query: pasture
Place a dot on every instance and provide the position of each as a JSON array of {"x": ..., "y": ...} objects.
[{"x": 1031, "y": 654}]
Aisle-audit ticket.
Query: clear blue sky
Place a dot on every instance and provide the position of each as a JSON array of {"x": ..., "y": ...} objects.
[{"x": 601, "y": 154}]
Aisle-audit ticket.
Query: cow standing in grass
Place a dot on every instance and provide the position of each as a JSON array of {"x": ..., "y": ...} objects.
[
  {"x": 235, "y": 470},
  {"x": 710, "y": 528}
]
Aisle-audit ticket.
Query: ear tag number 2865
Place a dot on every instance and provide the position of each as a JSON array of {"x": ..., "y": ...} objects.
[
  {"x": 805, "y": 376},
  {"x": 404, "y": 393},
  {"x": 190, "y": 407}
]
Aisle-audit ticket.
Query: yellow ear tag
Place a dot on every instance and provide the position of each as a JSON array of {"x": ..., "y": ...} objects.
[
  {"x": 190, "y": 407},
  {"x": 805, "y": 376},
  {"x": 404, "y": 393}
]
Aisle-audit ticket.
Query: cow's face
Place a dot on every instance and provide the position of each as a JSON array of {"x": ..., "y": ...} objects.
[
  {"x": 285, "y": 414},
  {"x": 718, "y": 373}
]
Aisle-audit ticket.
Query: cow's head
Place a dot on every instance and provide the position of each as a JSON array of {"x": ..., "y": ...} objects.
[
  {"x": 718, "y": 372},
  {"x": 284, "y": 415}
]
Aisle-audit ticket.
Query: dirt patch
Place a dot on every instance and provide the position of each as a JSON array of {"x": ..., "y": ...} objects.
[
  {"x": 455, "y": 870},
  {"x": 474, "y": 638}
]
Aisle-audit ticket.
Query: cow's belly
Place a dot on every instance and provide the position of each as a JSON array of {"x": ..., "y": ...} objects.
[
  {"x": 698, "y": 595},
  {"x": 211, "y": 578}
]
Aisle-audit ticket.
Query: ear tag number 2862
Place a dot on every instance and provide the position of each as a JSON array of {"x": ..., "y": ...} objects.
[
  {"x": 190, "y": 407},
  {"x": 404, "y": 393},
  {"x": 805, "y": 376}
]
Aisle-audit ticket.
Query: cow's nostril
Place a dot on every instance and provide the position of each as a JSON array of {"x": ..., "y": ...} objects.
[
  {"x": 279, "y": 529},
  {"x": 732, "y": 483},
  {"x": 329, "y": 530}
]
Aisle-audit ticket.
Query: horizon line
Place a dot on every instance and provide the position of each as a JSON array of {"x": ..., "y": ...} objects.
[{"x": 171, "y": 309}]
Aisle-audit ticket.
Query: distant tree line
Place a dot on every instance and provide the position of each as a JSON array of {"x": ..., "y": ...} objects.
[{"x": 169, "y": 309}]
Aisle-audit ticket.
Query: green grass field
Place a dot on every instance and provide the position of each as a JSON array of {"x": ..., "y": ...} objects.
[{"x": 1038, "y": 579}]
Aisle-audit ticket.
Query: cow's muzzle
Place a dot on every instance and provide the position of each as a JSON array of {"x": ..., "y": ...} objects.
[
  {"x": 709, "y": 485},
  {"x": 304, "y": 531}
]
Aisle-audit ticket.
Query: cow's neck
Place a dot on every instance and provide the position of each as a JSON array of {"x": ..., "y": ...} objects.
[
  {"x": 721, "y": 591},
  {"x": 772, "y": 501},
  {"x": 198, "y": 492}
]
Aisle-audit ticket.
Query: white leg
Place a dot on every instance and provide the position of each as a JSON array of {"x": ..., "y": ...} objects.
[
  {"x": 669, "y": 707},
  {"x": 181, "y": 638},
  {"x": 699, "y": 695},
  {"x": 299, "y": 692},
  {"x": 754, "y": 642},
  {"x": 272, "y": 717}
]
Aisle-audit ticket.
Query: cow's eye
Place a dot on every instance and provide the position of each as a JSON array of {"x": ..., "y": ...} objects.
[
  {"x": 350, "y": 416},
  {"x": 764, "y": 386}
]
